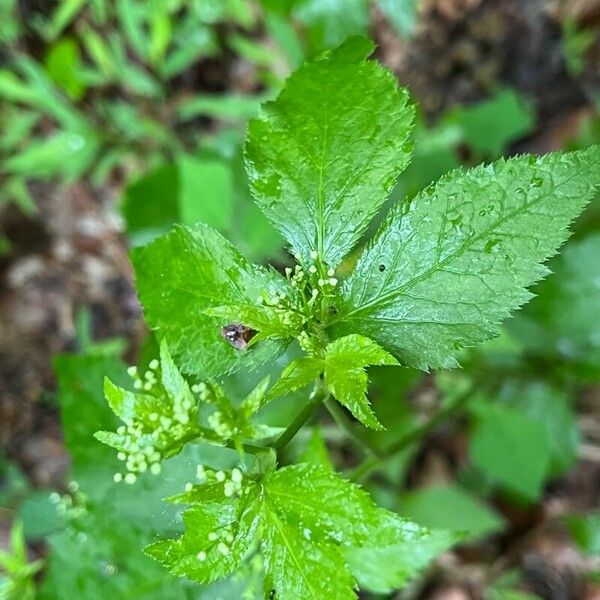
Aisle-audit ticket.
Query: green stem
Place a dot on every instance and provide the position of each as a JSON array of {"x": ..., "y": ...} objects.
[
  {"x": 344, "y": 422},
  {"x": 318, "y": 395},
  {"x": 409, "y": 438},
  {"x": 208, "y": 436}
]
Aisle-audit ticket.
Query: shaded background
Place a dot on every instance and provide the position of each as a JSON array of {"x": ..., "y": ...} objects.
[{"x": 119, "y": 118}]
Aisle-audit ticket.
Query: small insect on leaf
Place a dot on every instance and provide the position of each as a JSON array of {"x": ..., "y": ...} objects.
[{"x": 238, "y": 335}]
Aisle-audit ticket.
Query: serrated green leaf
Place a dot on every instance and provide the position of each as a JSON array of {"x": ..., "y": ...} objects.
[
  {"x": 302, "y": 517},
  {"x": 312, "y": 514},
  {"x": 343, "y": 364},
  {"x": 296, "y": 568},
  {"x": 444, "y": 272},
  {"x": 195, "y": 555},
  {"x": 180, "y": 276},
  {"x": 297, "y": 374},
  {"x": 346, "y": 359},
  {"x": 320, "y": 170},
  {"x": 330, "y": 509},
  {"x": 383, "y": 569}
]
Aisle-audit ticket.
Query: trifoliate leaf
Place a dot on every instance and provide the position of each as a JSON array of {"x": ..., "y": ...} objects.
[
  {"x": 343, "y": 365},
  {"x": 303, "y": 518},
  {"x": 324, "y": 155},
  {"x": 346, "y": 359},
  {"x": 442, "y": 273},
  {"x": 180, "y": 276}
]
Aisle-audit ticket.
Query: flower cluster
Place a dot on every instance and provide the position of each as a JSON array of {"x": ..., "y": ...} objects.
[
  {"x": 72, "y": 505},
  {"x": 310, "y": 283},
  {"x": 160, "y": 422},
  {"x": 232, "y": 482}
]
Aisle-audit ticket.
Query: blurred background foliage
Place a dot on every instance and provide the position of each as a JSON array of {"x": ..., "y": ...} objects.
[{"x": 121, "y": 118}]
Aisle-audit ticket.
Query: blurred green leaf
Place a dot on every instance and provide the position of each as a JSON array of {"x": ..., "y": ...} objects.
[
  {"x": 83, "y": 412},
  {"x": 489, "y": 127},
  {"x": 384, "y": 569},
  {"x": 229, "y": 107},
  {"x": 402, "y": 14},
  {"x": 65, "y": 154},
  {"x": 550, "y": 407},
  {"x": 331, "y": 22},
  {"x": 40, "y": 515},
  {"x": 150, "y": 204},
  {"x": 576, "y": 41},
  {"x": 315, "y": 451},
  {"x": 585, "y": 530},
  {"x": 16, "y": 572},
  {"x": 109, "y": 563},
  {"x": 13, "y": 483},
  {"x": 564, "y": 320},
  {"x": 63, "y": 15},
  {"x": 206, "y": 192},
  {"x": 450, "y": 507},
  {"x": 512, "y": 449},
  {"x": 63, "y": 65},
  {"x": 198, "y": 188}
]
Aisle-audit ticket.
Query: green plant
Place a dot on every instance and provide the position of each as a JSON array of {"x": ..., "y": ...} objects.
[
  {"x": 440, "y": 275},
  {"x": 16, "y": 572},
  {"x": 102, "y": 93}
]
